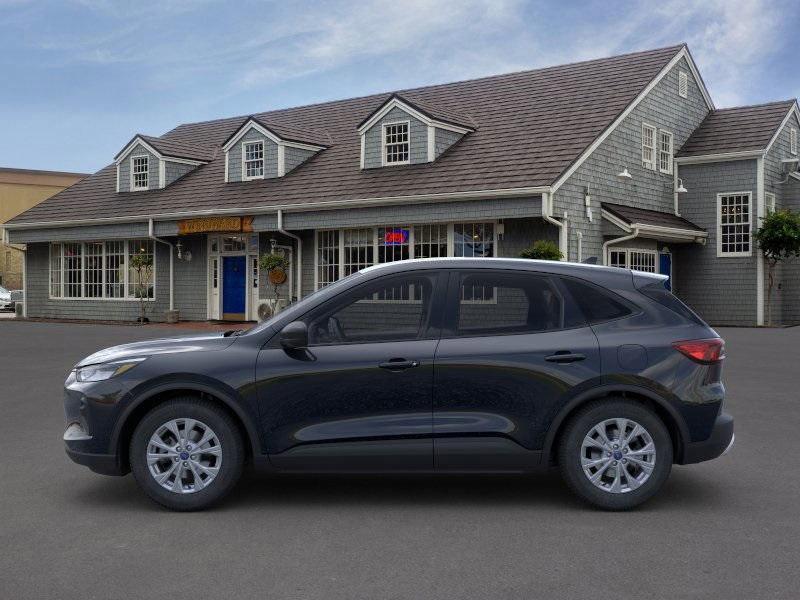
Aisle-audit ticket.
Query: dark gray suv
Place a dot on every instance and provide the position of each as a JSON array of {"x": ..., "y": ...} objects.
[{"x": 438, "y": 365}]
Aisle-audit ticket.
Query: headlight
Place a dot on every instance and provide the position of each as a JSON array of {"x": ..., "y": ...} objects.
[{"x": 106, "y": 370}]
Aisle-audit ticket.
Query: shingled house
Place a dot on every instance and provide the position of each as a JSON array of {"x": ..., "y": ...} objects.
[{"x": 622, "y": 161}]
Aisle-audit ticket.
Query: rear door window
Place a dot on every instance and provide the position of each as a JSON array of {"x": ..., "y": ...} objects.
[{"x": 510, "y": 302}]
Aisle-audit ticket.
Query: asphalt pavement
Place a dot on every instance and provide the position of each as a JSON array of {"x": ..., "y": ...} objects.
[{"x": 725, "y": 529}]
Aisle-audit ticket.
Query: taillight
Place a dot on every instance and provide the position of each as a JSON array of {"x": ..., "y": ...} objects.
[{"x": 702, "y": 351}]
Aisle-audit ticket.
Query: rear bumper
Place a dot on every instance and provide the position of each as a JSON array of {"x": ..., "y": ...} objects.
[{"x": 719, "y": 442}]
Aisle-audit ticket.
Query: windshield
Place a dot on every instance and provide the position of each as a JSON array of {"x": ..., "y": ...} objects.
[{"x": 298, "y": 308}]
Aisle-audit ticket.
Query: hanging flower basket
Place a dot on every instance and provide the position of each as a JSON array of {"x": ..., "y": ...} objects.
[{"x": 277, "y": 276}]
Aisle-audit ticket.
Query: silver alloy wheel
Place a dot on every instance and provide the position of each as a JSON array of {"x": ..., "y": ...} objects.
[
  {"x": 184, "y": 456},
  {"x": 618, "y": 455}
]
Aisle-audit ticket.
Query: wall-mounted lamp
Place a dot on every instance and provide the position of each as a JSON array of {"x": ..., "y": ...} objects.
[
  {"x": 185, "y": 255},
  {"x": 624, "y": 175},
  {"x": 680, "y": 189},
  {"x": 587, "y": 200}
]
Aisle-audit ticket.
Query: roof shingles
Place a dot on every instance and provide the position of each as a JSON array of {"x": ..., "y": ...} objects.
[{"x": 530, "y": 126}]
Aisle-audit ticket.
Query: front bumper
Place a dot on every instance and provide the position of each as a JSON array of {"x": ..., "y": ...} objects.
[
  {"x": 718, "y": 443},
  {"x": 105, "y": 464}
]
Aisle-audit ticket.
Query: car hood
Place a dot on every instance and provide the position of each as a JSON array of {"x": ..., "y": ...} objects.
[
  {"x": 5, "y": 296},
  {"x": 199, "y": 343}
]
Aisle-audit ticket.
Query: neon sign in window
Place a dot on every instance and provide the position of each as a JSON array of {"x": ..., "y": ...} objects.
[{"x": 395, "y": 237}]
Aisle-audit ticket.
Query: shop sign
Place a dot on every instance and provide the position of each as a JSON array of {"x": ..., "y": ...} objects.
[{"x": 216, "y": 224}]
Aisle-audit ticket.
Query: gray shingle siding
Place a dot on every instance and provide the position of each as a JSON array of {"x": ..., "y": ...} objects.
[
  {"x": 87, "y": 233},
  {"x": 722, "y": 290},
  {"x": 418, "y": 138},
  {"x": 786, "y": 288},
  {"x": 175, "y": 170},
  {"x": 125, "y": 169},
  {"x": 649, "y": 189},
  {"x": 520, "y": 234},
  {"x": 294, "y": 157},
  {"x": 443, "y": 139},
  {"x": 270, "y": 156}
]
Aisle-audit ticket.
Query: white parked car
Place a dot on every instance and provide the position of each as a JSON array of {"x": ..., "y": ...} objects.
[{"x": 5, "y": 299}]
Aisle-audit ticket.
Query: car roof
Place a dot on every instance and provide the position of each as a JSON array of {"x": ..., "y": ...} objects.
[{"x": 598, "y": 273}]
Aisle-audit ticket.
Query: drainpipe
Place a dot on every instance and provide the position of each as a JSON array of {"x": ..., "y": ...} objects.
[
  {"x": 281, "y": 230},
  {"x": 617, "y": 241},
  {"x": 547, "y": 210},
  {"x": 152, "y": 236}
]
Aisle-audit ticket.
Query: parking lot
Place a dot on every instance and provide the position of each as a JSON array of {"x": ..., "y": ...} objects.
[{"x": 725, "y": 529}]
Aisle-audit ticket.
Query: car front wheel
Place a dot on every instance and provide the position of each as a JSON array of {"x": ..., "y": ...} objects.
[
  {"x": 186, "y": 454},
  {"x": 615, "y": 453}
]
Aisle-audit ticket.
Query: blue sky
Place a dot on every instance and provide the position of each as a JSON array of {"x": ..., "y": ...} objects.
[{"x": 81, "y": 77}]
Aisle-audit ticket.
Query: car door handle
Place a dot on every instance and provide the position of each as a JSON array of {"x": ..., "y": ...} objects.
[
  {"x": 565, "y": 357},
  {"x": 399, "y": 364}
]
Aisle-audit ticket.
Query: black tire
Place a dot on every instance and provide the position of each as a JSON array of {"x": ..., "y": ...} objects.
[
  {"x": 579, "y": 426},
  {"x": 229, "y": 438}
]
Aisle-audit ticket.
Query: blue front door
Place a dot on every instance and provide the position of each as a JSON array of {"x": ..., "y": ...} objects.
[
  {"x": 233, "y": 287},
  {"x": 665, "y": 268}
]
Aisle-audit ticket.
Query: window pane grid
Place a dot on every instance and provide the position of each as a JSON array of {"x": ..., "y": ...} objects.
[
  {"x": 73, "y": 270},
  {"x": 394, "y": 245},
  {"x": 55, "y": 270},
  {"x": 93, "y": 270},
  {"x": 474, "y": 240},
  {"x": 735, "y": 224},
  {"x": 115, "y": 269},
  {"x": 430, "y": 241},
  {"x": 665, "y": 152},
  {"x": 396, "y": 143},
  {"x": 327, "y": 257},
  {"x": 648, "y": 147},
  {"x": 140, "y": 288},
  {"x": 254, "y": 159},
  {"x": 140, "y": 172},
  {"x": 358, "y": 249}
]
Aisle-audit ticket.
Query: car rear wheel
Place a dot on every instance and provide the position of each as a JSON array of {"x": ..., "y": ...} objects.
[
  {"x": 615, "y": 453},
  {"x": 186, "y": 454}
]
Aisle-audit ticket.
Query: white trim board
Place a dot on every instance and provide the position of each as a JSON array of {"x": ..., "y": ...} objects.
[
  {"x": 395, "y": 102},
  {"x": 683, "y": 53},
  {"x": 138, "y": 140},
  {"x": 794, "y": 110},
  {"x": 252, "y": 124}
]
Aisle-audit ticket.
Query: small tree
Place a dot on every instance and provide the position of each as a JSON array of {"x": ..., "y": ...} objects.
[
  {"x": 142, "y": 265},
  {"x": 542, "y": 250},
  {"x": 779, "y": 239},
  {"x": 275, "y": 265}
]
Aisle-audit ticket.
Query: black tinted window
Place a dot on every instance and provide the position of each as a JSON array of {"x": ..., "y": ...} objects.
[
  {"x": 657, "y": 291},
  {"x": 389, "y": 309},
  {"x": 495, "y": 303},
  {"x": 596, "y": 304}
]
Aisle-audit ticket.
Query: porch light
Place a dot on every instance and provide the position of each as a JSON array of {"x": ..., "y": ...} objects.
[
  {"x": 624, "y": 175},
  {"x": 680, "y": 189}
]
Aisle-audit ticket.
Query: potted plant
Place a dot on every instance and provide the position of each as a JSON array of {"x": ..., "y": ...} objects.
[
  {"x": 275, "y": 265},
  {"x": 542, "y": 250},
  {"x": 142, "y": 266}
]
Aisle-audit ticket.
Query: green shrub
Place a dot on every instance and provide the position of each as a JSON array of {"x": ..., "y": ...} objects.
[{"x": 542, "y": 250}]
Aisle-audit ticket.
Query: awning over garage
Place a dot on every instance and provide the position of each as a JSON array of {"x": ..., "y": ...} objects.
[{"x": 652, "y": 224}]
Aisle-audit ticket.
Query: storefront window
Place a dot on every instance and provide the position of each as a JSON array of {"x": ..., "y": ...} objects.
[
  {"x": 341, "y": 252},
  {"x": 98, "y": 269}
]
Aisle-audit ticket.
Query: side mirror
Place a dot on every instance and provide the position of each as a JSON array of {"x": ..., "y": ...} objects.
[{"x": 294, "y": 336}]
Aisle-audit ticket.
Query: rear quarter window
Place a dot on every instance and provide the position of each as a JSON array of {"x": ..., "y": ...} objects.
[
  {"x": 596, "y": 304},
  {"x": 656, "y": 291}
]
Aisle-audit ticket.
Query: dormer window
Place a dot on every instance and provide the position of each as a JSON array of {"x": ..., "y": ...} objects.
[
  {"x": 396, "y": 147},
  {"x": 140, "y": 169},
  {"x": 253, "y": 160}
]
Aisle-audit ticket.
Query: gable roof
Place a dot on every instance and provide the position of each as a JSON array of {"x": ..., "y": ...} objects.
[
  {"x": 738, "y": 129},
  {"x": 631, "y": 215},
  {"x": 530, "y": 126},
  {"x": 282, "y": 131},
  {"x": 432, "y": 112},
  {"x": 170, "y": 148}
]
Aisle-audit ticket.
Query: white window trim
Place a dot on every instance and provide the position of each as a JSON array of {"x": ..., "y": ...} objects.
[
  {"x": 383, "y": 143},
  {"x": 668, "y": 170},
  {"x": 133, "y": 187},
  {"x": 411, "y": 242},
  {"x": 720, "y": 253},
  {"x": 104, "y": 298},
  {"x": 263, "y": 160},
  {"x": 683, "y": 84},
  {"x": 793, "y": 141},
  {"x": 650, "y": 165},
  {"x": 627, "y": 250}
]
